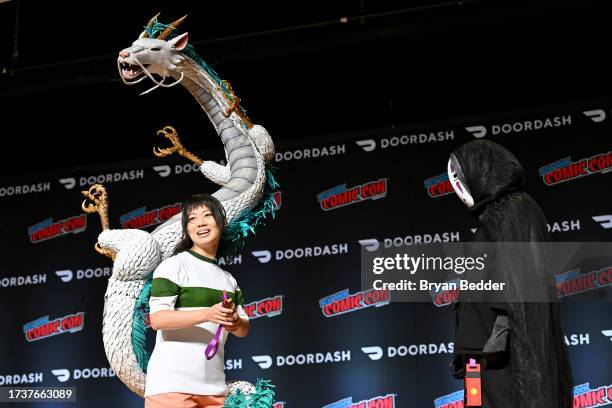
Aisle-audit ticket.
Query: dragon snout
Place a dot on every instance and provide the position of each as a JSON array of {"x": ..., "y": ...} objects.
[{"x": 124, "y": 54}]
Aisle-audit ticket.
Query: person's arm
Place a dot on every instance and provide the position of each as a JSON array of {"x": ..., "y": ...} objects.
[
  {"x": 243, "y": 327},
  {"x": 180, "y": 319}
]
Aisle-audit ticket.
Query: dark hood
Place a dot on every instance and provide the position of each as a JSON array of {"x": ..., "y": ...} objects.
[{"x": 488, "y": 170}]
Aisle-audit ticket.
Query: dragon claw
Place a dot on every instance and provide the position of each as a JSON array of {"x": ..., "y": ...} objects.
[
  {"x": 98, "y": 197},
  {"x": 171, "y": 134},
  {"x": 98, "y": 202},
  {"x": 163, "y": 152}
]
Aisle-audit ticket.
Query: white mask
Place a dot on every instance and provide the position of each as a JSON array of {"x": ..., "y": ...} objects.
[{"x": 462, "y": 191}]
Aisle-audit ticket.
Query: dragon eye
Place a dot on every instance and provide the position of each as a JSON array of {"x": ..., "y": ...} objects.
[{"x": 155, "y": 49}]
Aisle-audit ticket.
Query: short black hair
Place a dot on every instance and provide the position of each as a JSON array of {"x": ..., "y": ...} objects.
[{"x": 196, "y": 201}]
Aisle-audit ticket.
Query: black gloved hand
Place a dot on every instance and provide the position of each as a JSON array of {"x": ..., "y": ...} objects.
[{"x": 457, "y": 366}]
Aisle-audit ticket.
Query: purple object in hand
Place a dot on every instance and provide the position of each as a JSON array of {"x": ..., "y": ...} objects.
[{"x": 213, "y": 345}]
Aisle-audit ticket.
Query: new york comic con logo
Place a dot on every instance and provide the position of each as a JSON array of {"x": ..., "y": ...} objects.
[
  {"x": 141, "y": 218},
  {"x": 384, "y": 401},
  {"x": 343, "y": 302},
  {"x": 566, "y": 169},
  {"x": 585, "y": 397},
  {"x": 43, "y": 327},
  {"x": 341, "y": 196},
  {"x": 573, "y": 282},
  {"x": 446, "y": 294},
  {"x": 454, "y": 400},
  {"x": 268, "y": 307},
  {"x": 49, "y": 229},
  {"x": 438, "y": 186}
]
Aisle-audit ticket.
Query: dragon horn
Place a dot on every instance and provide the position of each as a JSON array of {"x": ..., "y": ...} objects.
[
  {"x": 150, "y": 25},
  {"x": 171, "y": 27}
]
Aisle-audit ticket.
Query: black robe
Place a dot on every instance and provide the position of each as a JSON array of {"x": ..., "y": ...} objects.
[{"x": 534, "y": 369}]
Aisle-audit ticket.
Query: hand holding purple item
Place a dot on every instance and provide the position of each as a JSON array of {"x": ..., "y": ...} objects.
[{"x": 213, "y": 345}]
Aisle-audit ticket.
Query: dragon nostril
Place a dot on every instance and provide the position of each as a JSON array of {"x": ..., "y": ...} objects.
[{"x": 124, "y": 54}]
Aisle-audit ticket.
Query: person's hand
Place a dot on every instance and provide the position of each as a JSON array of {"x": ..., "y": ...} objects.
[
  {"x": 218, "y": 314},
  {"x": 457, "y": 366},
  {"x": 233, "y": 324}
]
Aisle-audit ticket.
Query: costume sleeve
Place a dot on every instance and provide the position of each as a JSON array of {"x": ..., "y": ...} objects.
[
  {"x": 498, "y": 342},
  {"x": 164, "y": 288},
  {"x": 239, "y": 300}
]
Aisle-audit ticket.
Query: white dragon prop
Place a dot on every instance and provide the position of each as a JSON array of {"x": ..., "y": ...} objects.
[{"x": 245, "y": 192}]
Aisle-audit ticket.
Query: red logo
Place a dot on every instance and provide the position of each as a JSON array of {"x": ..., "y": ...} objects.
[
  {"x": 438, "y": 186},
  {"x": 141, "y": 218},
  {"x": 585, "y": 397},
  {"x": 341, "y": 196},
  {"x": 573, "y": 282},
  {"x": 447, "y": 296},
  {"x": 48, "y": 229},
  {"x": 566, "y": 170},
  {"x": 268, "y": 307},
  {"x": 42, "y": 328},
  {"x": 344, "y": 302},
  {"x": 454, "y": 400},
  {"x": 387, "y": 401}
]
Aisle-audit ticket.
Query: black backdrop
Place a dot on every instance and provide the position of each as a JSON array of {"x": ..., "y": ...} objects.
[{"x": 389, "y": 354}]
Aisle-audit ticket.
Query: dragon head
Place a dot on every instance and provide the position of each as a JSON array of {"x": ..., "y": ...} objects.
[{"x": 152, "y": 54}]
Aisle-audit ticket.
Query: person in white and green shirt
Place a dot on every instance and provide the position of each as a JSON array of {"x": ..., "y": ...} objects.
[{"x": 186, "y": 309}]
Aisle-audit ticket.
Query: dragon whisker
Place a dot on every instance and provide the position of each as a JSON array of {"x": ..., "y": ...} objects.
[{"x": 158, "y": 83}]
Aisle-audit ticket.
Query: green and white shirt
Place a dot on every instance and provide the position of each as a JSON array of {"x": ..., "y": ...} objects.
[{"x": 189, "y": 281}]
